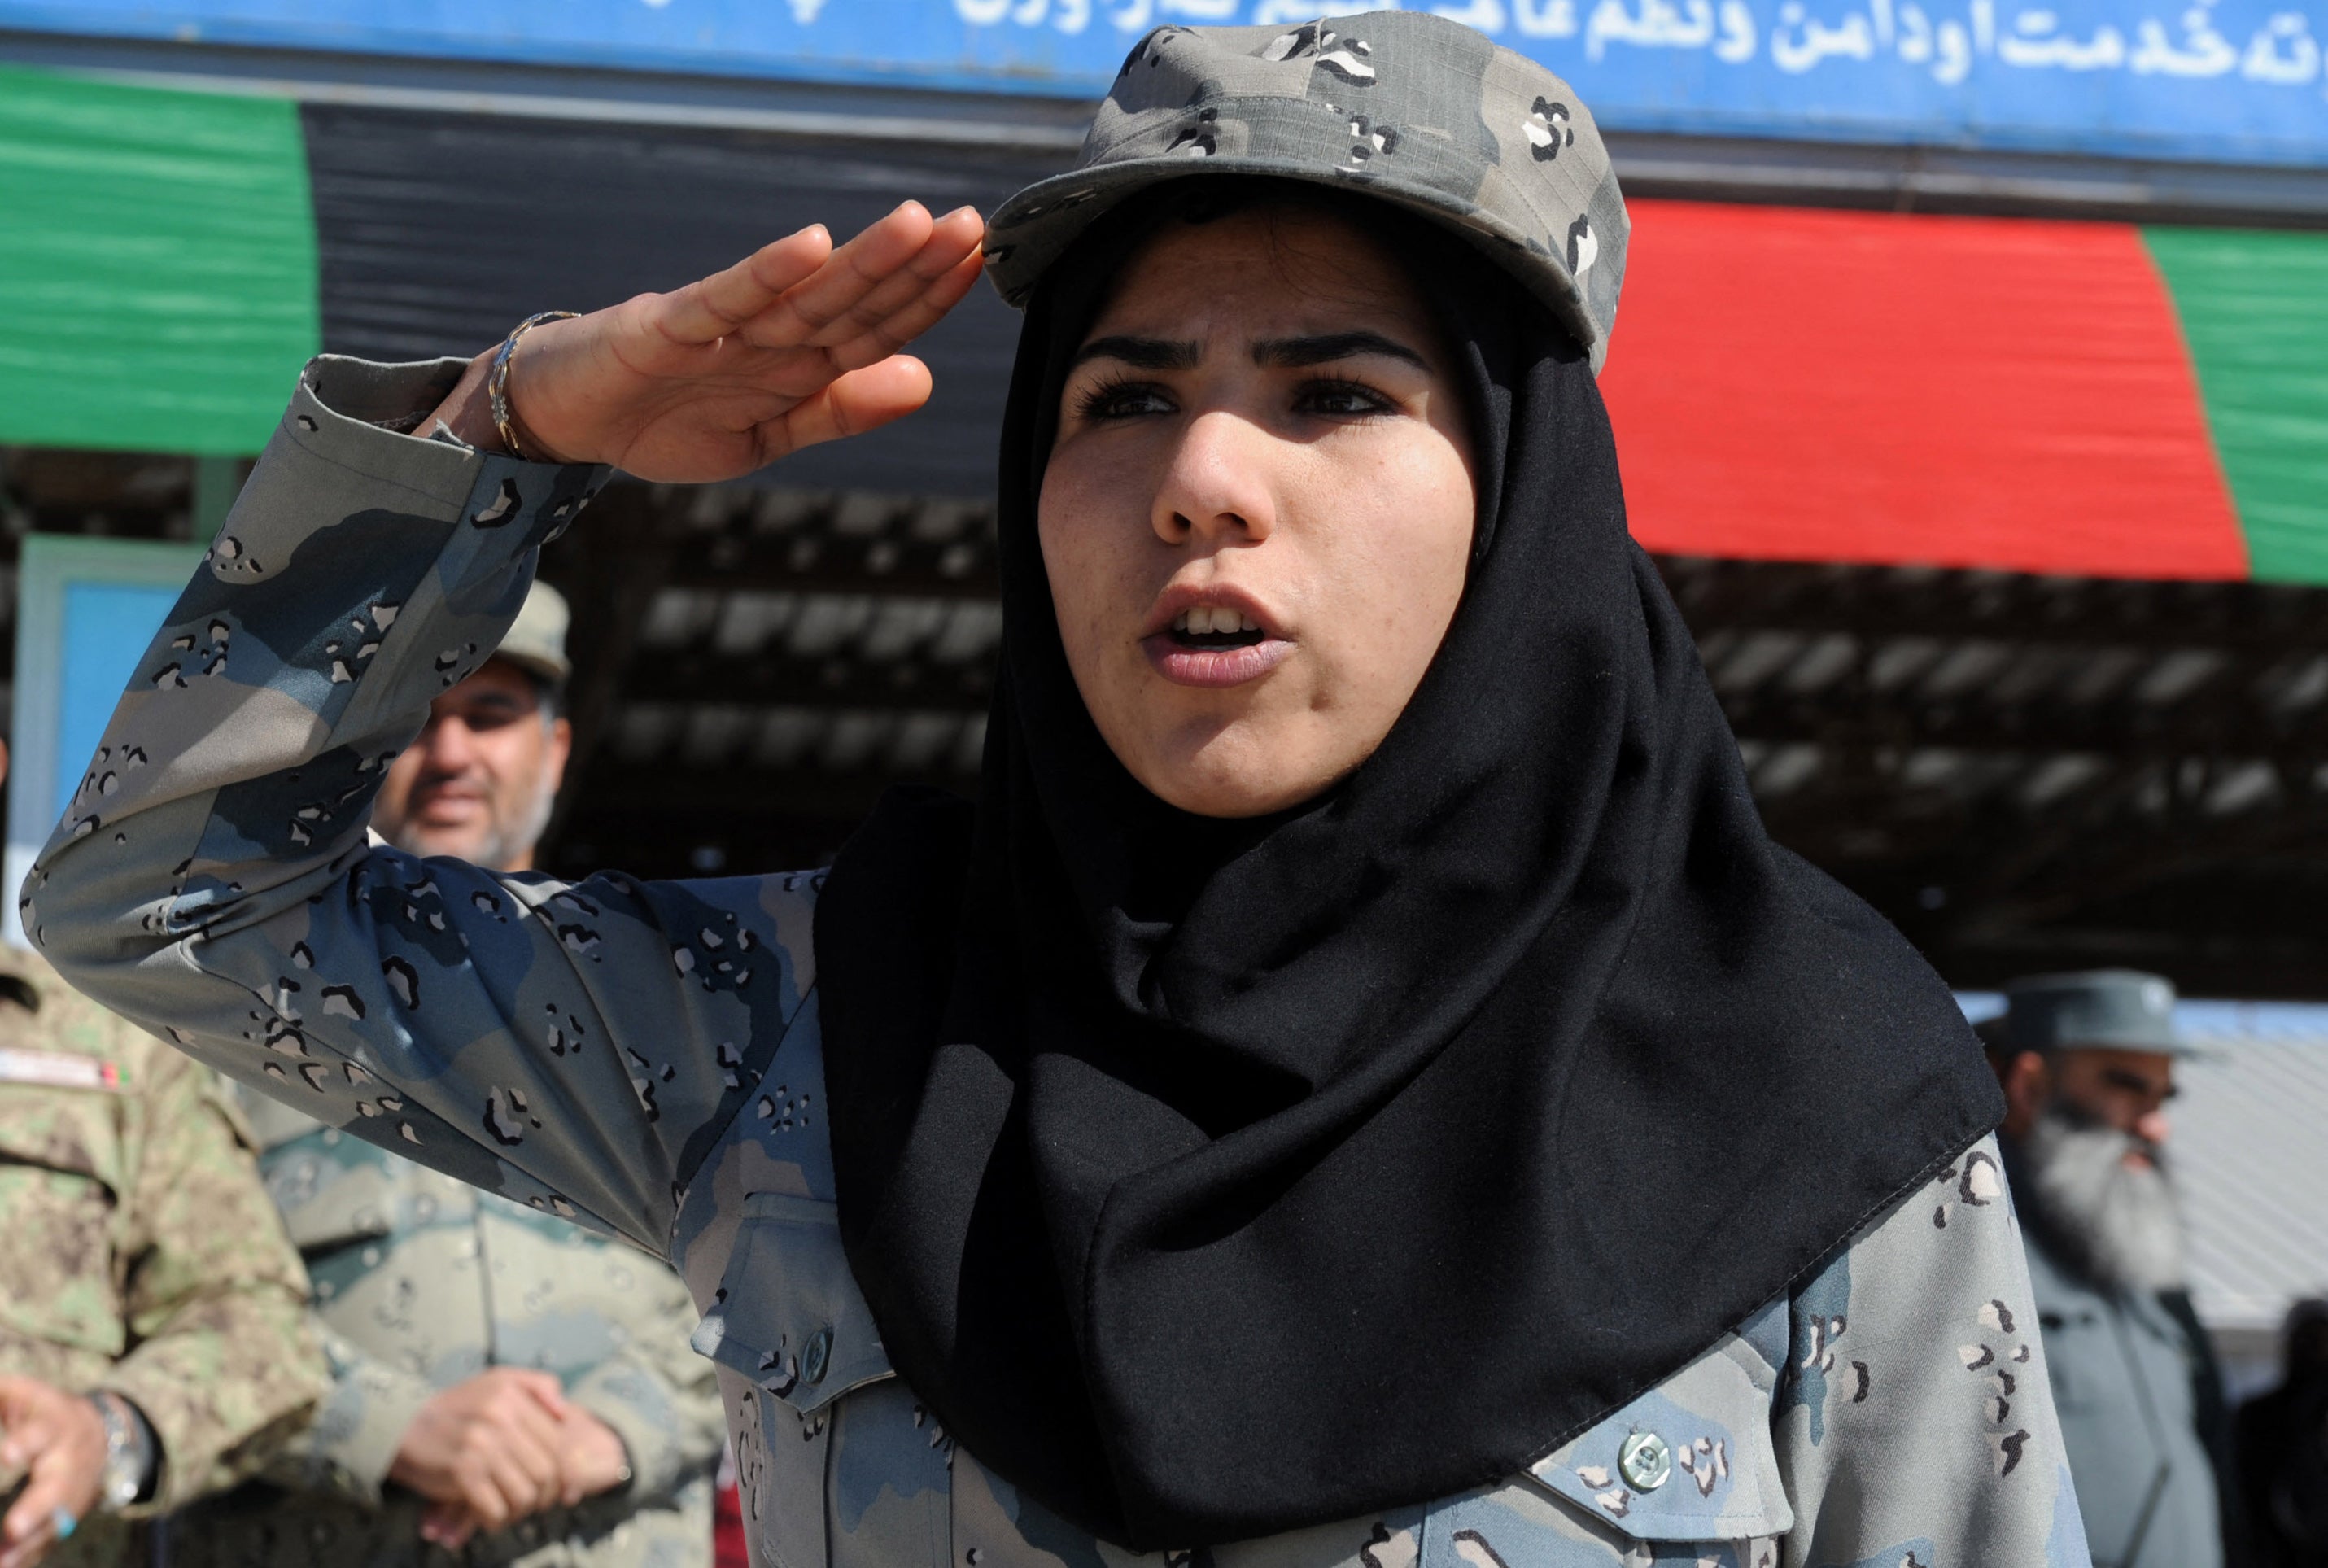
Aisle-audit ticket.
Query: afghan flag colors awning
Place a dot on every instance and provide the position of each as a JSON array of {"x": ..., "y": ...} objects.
[
  {"x": 157, "y": 265},
  {"x": 2042, "y": 396},
  {"x": 2038, "y": 396}
]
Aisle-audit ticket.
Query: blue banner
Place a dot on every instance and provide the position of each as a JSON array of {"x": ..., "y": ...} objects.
[{"x": 2226, "y": 81}]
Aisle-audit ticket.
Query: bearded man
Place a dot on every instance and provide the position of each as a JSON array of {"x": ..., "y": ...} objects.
[{"x": 2087, "y": 1062}]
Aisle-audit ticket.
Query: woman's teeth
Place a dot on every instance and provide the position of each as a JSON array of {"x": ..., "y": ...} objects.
[{"x": 1212, "y": 621}]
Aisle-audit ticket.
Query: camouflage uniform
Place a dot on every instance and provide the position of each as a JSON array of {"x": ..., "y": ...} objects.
[
  {"x": 646, "y": 1056},
  {"x": 421, "y": 1283},
  {"x": 141, "y": 1254}
]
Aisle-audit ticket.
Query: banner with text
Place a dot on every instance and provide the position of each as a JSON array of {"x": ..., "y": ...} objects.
[{"x": 2226, "y": 81}]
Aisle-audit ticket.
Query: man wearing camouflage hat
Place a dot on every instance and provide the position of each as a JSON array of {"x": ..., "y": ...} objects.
[
  {"x": 152, "y": 1345},
  {"x": 481, "y": 781},
  {"x": 2087, "y": 1061},
  {"x": 507, "y": 1386}
]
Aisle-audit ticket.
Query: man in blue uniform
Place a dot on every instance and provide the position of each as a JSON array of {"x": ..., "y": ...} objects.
[{"x": 2087, "y": 1061}]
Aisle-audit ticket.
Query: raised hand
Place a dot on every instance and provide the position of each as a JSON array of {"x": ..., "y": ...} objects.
[{"x": 794, "y": 344}]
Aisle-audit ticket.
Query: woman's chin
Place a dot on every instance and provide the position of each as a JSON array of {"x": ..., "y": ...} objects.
[{"x": 1249, "y": 782}]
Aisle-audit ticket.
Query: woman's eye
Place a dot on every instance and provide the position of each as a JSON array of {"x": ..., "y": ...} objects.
[
  {"x": 1341, "y": 399},
  {"x": 1122, "y": 400}
]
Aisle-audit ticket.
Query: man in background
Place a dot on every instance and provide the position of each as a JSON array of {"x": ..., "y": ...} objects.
[
  {"x": 153, "y": 1340},
  {"x": 507, "y": 1387},
  {"x": 2087, "y": 1062}
]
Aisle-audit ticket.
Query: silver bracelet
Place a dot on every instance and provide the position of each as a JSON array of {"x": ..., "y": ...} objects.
[
  {"x": 128, "y": 1453},
  {"x": 497, "y": 383}
]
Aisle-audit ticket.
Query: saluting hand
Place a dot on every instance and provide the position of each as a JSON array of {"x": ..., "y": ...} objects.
[{"x": 794, "y": 344}]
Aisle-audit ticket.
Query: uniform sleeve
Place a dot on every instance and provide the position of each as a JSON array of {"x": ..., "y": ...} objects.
[
  {"x": 348, "y": 1450},
  {"x": 667, "y": 1416},
  {"x": 1914, "y": 1421},
  {"x": 222, "y": 1361},
  {"x": 577, "y": 1047}
]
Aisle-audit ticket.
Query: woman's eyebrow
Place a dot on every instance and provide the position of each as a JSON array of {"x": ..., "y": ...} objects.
[
  {"x": 1142, "y": 354},
  {"x": 1295, "y": 353}
]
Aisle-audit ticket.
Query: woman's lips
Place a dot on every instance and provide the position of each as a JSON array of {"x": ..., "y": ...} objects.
[{"x": 1213, "y": 667}]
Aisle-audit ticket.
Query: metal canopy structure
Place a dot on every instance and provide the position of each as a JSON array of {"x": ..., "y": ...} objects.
[{"x": 2023, "y": 771}]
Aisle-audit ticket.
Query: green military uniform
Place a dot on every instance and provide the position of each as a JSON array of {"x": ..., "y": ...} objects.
[
  {"x": 421, "y": 1283},
  {"x": 142, "y": 1255}
]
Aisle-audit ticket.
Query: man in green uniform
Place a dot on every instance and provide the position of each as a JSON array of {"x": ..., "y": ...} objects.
[
  {"x": 507, "y": 1387},
  {"x": 153, "y": 1346}
]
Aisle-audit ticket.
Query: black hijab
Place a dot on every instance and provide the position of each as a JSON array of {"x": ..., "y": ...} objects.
[{"x": 1211, "y": 1179}]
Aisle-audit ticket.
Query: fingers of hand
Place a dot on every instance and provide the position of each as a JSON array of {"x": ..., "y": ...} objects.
[
  {"x": 526, "y": 1440},
  {"x": 25, "y": 1537},
  {"x": 545, "y": 1389},
  {"x": 852, "y": 404},
  {"x": 28, "y": 1412},
  {"x": 717, "y": 305},
  {"x": 953, "y": 242},
  {"x": 448, "y": 1525},
  {"x": 879, "y": 271},
  {"x": 528, "y": 1479},
  {"x": 480, "y": 1494},
  {"x": 63, "y": 1482},
  {"x": 594, "y": 1458},
  {"x": 913, "y": 317}
]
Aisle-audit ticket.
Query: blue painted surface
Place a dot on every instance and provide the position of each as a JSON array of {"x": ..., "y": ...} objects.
[
  {"x": 2240, "y": 80},
  {"x": 107, "y": 626}
]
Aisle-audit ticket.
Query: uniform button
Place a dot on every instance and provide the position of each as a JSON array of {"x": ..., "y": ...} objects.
[
  {"x": 816, "y": 1355},
  {"x": 1644, "y": 1461}
]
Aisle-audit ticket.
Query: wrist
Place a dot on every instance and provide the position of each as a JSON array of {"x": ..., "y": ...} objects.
[
  {"x": 132, "y": 1455},
  {"x": 500, "y": 399},
  {"x": 466, "y": 410}
]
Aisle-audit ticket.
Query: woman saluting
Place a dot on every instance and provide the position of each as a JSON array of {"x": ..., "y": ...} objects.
[{"x": 1357, "y": 1087}]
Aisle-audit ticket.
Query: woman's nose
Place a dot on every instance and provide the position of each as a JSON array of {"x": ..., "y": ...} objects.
[{"x": 1218, "y": 484}]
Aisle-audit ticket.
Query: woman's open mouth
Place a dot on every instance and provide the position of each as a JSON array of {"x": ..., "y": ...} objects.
[
  {"x": 1214, "y": 645},
  {"x": 1214, "y": 627}
]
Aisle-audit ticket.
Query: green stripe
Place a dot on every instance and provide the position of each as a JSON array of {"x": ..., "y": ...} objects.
[
  {"x": 2254, "y": 309},
  {"x": 157, "y": 265}
]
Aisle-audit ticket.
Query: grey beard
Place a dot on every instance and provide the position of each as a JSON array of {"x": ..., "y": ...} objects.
[{"x": 2123, "y": 1222}]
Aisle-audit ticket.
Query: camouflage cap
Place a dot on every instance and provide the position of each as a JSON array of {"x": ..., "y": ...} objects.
[
  {"x": 1407, "y": 106},
  {"x": 537, "y": 640}
]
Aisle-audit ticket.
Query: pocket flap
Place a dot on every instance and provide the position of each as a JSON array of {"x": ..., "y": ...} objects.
[
  {"x": 1689, "y": 1460},
  {"x": 788, "y": 1316}
]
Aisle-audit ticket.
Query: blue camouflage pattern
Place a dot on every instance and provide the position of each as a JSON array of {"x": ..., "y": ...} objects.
[
  {"x": 1408, "y": 106},
  {"x": 645, "y": 1057}
]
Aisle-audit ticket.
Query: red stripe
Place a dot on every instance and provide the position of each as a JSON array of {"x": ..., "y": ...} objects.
[{"x": 1953, "y": 391}]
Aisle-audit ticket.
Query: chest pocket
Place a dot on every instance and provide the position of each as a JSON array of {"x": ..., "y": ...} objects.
[
  {"x": 790, "y": 1336},
  {"x": 60, "y": 1180},
  {"x": 1690, "y": 1461}
]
